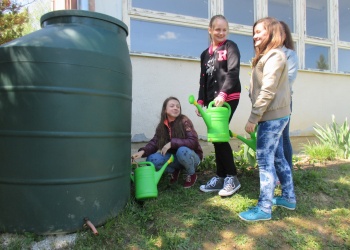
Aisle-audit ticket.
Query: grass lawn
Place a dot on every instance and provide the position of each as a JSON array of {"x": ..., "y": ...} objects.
[{"x": 189, "y": 219}]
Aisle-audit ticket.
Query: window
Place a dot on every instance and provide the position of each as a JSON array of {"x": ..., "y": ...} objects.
[
  {"x": 344, "y": 20},
  {"x": 238, "y": 11},
  {"x": 316, "y": 57},
  {"x": 343, "y": 60},
  {"x": 167, "y": 39},
  {"x": 282, "y": 10},
  {"x": 245, "y": 46},
  {"x": 178, "y": 28},
  {"x": 196, "y": 8},
  {"x": 317, "y": 18}
]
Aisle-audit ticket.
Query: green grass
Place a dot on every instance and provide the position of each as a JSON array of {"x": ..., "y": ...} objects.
[
  {"x": 319, "y": 152},
  {"x": 189, "y": 219}
]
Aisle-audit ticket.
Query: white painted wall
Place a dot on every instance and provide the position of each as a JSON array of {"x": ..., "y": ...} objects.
[{"x": 316, "y": 96}]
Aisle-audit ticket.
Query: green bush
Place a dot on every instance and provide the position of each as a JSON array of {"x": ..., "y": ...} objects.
[
  {"x": 320, "y": 152},
  {"x": 208, "y": 163},
  {"x": 244, "y": 157},
  {"x": 336, "y": 136}
]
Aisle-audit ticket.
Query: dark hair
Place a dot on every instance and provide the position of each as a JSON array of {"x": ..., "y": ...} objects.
[
  {"x": 288, "y": 42},
  {"x": 162, "y": 131},
  {"x": 276, "y": 37}
]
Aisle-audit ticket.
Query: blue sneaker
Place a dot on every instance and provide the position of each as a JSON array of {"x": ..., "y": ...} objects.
[
  {"x": 254, "y": 214},
  {"x": 280, "y": 201}
]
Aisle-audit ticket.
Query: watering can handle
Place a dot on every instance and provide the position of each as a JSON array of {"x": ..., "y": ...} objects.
[{"x": 225, "y": 104}]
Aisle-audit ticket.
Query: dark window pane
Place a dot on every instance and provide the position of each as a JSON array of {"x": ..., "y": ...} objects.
[
  {"x": 167, "y": 39},
  {"x": 344, "y": 20},
  {"x": 317, "y": 18},
  {"x": 196, "y": 8},
  {"x": 245, "y": 46},
  {"x": 343, "y": 60},
  {"x": 316, "y": 57},
  {"x": 283, "y": 11},
  {"x": 238, "y": 11}
]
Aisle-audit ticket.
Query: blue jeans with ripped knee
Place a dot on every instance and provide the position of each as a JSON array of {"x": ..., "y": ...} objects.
[
  {"x": 270, "y": 158},
  {"x": 184, "y": 158}
]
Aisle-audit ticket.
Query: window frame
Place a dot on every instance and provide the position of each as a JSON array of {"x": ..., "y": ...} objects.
[{"x": 260, "y": 10}]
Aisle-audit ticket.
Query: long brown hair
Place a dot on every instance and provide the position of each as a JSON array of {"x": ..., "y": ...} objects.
[
  {"x": 276, "y": 37},
  {"x": 162, "y": 131},
  {"x": 288, "y": 42}
]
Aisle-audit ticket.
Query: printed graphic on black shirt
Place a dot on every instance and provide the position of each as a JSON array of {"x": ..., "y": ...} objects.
[{"x": 210, "y": 66}]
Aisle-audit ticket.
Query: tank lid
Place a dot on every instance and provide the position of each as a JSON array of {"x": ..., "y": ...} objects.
[{"x": 83, "y": 13}]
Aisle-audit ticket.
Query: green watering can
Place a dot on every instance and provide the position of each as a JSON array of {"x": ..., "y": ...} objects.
[
  {"x": 250, "y": 142},
  {"x": 216, "y": 119},
  {"x": 146, "y": 179}
]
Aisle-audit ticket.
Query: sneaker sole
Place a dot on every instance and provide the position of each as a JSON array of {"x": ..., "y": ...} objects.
[
  {"x": 253, "y": 220},
  {"x": 289, "y": 208},
  {"x": 208, "y": 190},
  {"x": 232, "y": 192}
]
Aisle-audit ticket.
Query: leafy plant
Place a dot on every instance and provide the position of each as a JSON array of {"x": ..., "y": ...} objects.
[
  {"x": 336, "y": 136},
  {"x": 12, "y": 20},
  {"x": 208, "y": 163},
  {"x": 320, "y": 152},
  {"x": 245, "y": 157}
]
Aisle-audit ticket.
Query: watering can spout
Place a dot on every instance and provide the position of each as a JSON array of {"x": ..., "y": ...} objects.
[
  {"x": 204, "y": 115},
  {"x": 160, "y": 172},
  {"x": 250, "y": 142}
]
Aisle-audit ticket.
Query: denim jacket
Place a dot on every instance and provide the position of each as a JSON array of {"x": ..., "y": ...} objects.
[{"x": 292, "y": 60}]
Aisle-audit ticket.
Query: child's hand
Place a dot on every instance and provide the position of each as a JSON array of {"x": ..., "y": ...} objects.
[
  {"x": 166, "y": 148},
  {"x": 137, "y": 155}
]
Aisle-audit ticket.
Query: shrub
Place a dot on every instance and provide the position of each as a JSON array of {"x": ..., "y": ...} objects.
[
  {"x": 320, "y": 152},
  {"x": 336, "y": 136}
]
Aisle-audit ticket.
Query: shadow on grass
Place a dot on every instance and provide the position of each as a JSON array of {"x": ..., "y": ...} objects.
[{"x": 190, "y": 219}]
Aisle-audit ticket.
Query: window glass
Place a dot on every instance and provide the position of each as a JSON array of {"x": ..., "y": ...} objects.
[
  {"x": 343, "y": 60},
  {"x": 282, "y": 10},
  {"x": 316, "y": 57},
  {"x": 245, "y": 46},
  {"x": 167, "y": 39},
  {"x": 196, "y": 8},
  {"x": 344, "y": 20},
  {"x": 317, "y": 18},
  {"x": 238, "y": 11}
]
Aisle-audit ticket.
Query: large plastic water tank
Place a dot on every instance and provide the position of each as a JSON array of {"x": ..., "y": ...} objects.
[{"x": 65, "y": 124}]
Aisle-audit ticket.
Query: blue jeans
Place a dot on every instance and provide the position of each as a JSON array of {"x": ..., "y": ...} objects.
[
  {"x": 184, "y": 158},
  {"x": 270, "y": 158},
  {"x": 287, "y": 146}
]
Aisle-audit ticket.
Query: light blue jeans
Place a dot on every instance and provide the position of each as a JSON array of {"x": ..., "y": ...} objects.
[
  {"x": 184, "y": 158},
  {"x": 271, "y": 160}
]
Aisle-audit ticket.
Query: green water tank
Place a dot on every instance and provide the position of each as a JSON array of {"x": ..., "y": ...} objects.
[{"x": 65, "y": 124}]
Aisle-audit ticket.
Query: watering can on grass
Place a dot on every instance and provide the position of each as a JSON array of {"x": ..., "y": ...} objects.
[
  {"x": 216, "y": 119},
  {"x": 146, "y": 179}
]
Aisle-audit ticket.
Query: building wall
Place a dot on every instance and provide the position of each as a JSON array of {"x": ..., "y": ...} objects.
[{"x": 317, "y": 96}]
